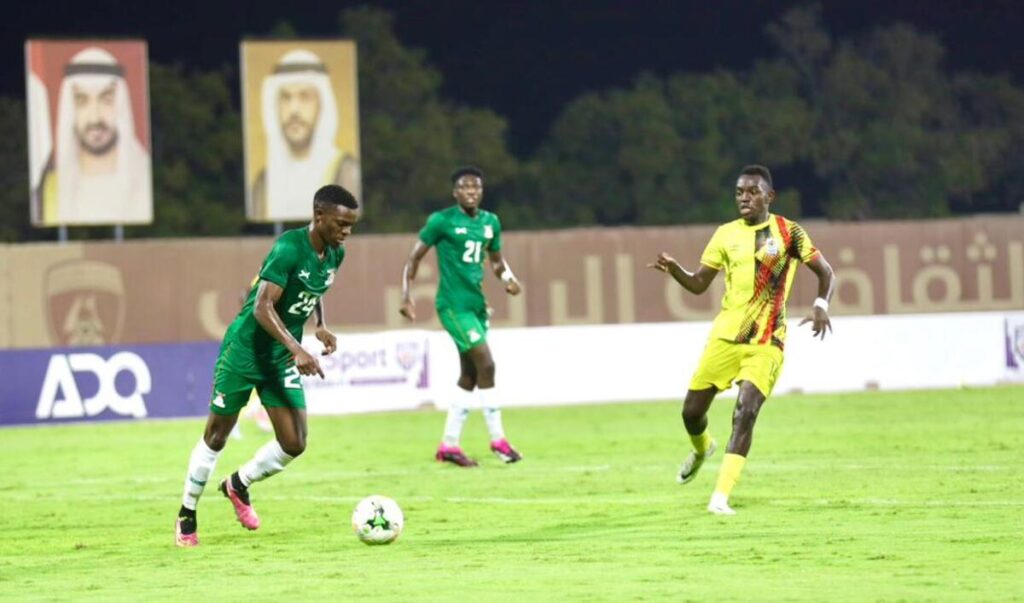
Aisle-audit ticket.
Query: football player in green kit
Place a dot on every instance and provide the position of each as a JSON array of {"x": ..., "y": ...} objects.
[
  {"x": 463, "y": 235},
  {"x": 261, "y": 350}
]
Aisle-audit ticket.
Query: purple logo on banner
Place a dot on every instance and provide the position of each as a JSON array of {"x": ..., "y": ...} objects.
[
  {"x": 60, "y": 385},
  {"x": 1019, "y": 341}
]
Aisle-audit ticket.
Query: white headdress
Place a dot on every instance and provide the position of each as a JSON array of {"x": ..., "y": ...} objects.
[
  {"x": 291, "y": 180},
  {"x": 40, "y": 138},
  {"x": 128, "y": 199}
]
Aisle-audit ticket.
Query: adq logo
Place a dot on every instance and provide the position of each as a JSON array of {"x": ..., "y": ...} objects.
[{"x": 61, "y": 398}]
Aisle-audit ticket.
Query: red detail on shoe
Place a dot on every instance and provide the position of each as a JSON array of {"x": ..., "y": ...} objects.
[
  {"x": 453, "y": 454},
  {"x": 245, "y": 513},
  {"x": 184, "y": 540},
  {"x": 504, "y": 451}
]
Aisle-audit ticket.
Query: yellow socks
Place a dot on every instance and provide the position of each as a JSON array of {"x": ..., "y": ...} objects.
[
  {"x": 701, "y": 442},
  {"x": 729, "y": 473}
]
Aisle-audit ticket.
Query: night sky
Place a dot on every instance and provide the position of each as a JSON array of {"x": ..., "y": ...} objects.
[{"x": 524, "y": 60}]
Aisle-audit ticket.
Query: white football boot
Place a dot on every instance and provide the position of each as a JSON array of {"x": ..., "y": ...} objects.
[
  {"x": 719, "y": 505},
  {"x": 692, "y": 463}
]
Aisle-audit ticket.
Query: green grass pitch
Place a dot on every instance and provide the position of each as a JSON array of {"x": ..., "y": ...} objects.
[{"x": 858, "y": 497}]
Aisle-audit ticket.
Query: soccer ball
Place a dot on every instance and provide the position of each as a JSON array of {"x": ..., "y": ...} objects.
[{"x": 377, "y": 520}]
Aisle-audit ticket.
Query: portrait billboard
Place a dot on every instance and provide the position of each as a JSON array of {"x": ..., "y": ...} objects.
[
  {"x": 301, "y": 122},
  {"x": 88, "y": 132}
]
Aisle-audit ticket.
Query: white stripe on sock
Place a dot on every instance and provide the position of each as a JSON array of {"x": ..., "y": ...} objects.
[{"x": 201, "y": 463}]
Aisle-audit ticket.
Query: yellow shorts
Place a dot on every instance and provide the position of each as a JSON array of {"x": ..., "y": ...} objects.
[{"x": 724, "y": 362}]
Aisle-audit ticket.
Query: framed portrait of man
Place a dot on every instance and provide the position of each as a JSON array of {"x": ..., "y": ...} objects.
[
  {"x": 301, "y": 115},
  {"x": 88, "y": 131}
]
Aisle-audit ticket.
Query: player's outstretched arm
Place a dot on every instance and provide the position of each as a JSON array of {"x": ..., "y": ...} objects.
[
  {"x": 412, "y": 265},
  {"x": 826, "y": 282},
  {"x": 267, "y": 296},
  {"x": 695, "y": 282},
  {"x": 322, "y": 333},
  {"x": 503, "y": 271}
]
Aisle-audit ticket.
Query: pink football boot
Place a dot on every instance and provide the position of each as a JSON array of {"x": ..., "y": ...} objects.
[
  {"x": 504, "y": 451},
  {"x": 453, "y": 454},
  {"x": 240, "y": 501},
  {"x": 185, "y": 540}
]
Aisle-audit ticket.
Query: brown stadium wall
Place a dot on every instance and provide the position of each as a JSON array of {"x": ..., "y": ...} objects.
[{"x": 159, "y": 291}]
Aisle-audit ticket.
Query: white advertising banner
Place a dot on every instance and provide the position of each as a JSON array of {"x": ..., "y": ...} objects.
[
  {"x": 396, "y": 370},
  {"x": 1014, "y": 337},
  {"x": 390, "y": 370}
]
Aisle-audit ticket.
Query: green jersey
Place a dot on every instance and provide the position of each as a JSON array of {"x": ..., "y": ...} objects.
[
  {"x": 295, "y": 266},
  {"x": 461, "y": 242}
]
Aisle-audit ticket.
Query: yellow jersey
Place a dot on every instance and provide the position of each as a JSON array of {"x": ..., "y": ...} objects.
[{"x": 760, "y": 262}]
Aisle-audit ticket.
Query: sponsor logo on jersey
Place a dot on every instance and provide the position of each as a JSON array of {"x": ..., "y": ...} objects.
[
  {"x": 461, "y": 230},
  {"x": 60, "y": 397},
  {"x": 304, "y": 274}
]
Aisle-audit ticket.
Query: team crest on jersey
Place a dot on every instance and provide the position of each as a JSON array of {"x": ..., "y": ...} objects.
[
  {"x": 771, "y": 247},
  {"x": 488, "y": 232},
  {"x": 330, "y": 277}
]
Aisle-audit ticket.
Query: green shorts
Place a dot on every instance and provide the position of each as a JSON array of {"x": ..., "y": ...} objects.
[
  {"x": 467, "y": 329},
  {"x": 231, "y": 389}
]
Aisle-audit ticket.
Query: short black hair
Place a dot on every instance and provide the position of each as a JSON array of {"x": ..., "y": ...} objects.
[
  {"x": 335, "y": 195},
  {"x": 467, "y": 170},
  {"x": 755, "y": 169}
]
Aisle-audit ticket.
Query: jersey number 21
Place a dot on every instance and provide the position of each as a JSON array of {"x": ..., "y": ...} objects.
[{"x": 473, "y": 249}]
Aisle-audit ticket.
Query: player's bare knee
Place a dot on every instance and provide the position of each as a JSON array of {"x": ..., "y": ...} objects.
[
  {"x": 485, "y": 373},
  {"x": 293, "y": 447},
  {"x": 692, "y": 415},
  {"x": 745, "y": 419},
  {"x": 215, "y": 440},
  {"x": 745, "y": 414},
  {"x": 216, "y": 435}
]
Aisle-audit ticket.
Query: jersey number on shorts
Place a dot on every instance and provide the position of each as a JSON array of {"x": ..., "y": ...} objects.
[
  {"x": 291, "y": 378},
  {"x": 305, "y": 305},
  {"x": 472, "y": 255}
]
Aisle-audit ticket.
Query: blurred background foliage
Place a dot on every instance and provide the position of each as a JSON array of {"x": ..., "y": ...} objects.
[{"x": 872, "y": 127}]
